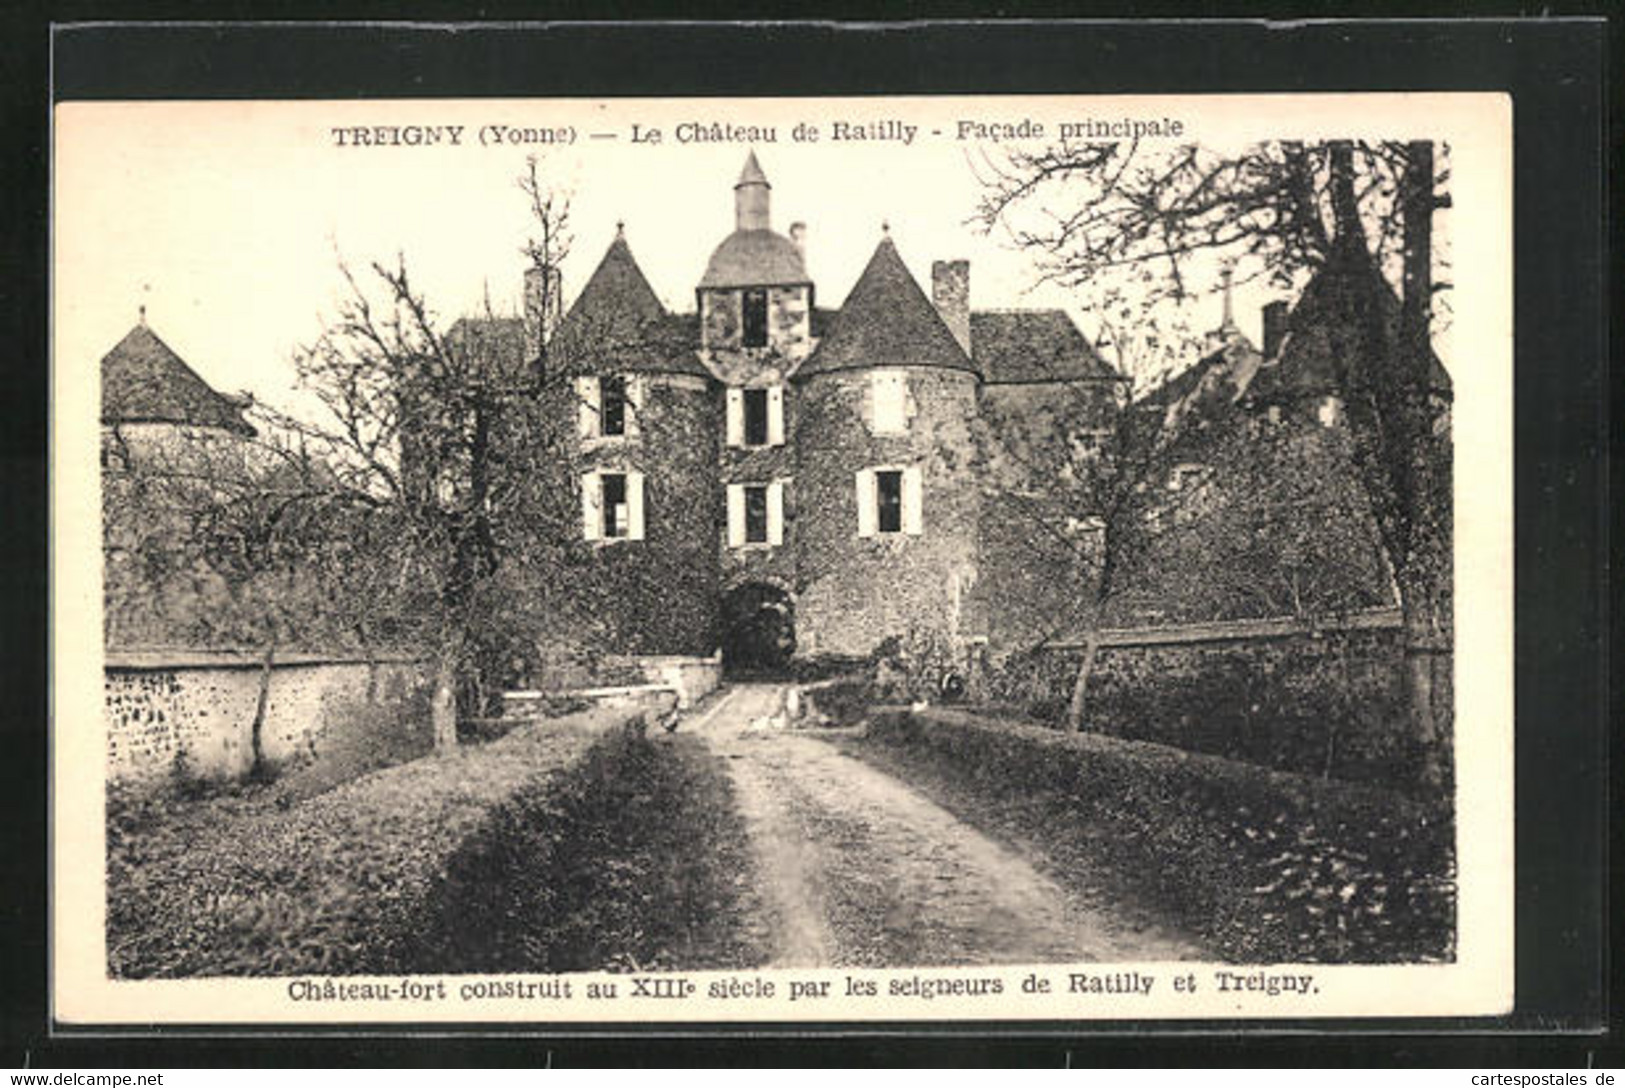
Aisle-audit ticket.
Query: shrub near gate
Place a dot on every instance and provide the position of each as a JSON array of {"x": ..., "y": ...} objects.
[{"x": 1264, "y": 866}]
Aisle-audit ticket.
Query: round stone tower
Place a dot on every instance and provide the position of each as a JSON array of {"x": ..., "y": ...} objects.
[{"x": 888, "y": 500}]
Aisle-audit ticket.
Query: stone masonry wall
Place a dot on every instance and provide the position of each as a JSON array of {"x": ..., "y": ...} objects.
[
  {"x": 203, "y": 704},
  {"x": 659, "y": 595},
  {"x": 854, "y": 592},
  {"x": 789, "y": 330}
]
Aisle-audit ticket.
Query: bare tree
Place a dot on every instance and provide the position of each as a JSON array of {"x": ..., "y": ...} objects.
[
  {"x": 1282, "y": 210},
  {"x": 448, "y": 433}
]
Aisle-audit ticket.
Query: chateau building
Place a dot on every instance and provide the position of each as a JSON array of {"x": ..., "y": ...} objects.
[{"x": 801, "y": 479}]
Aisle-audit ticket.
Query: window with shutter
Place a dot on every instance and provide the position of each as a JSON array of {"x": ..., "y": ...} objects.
[
  {"x": 612, "y": 406},
  {"x": 756, "y": 428},
  {"x": 592, "y": 517},
  {"x": 587, "y": 407},
  {"x": 775, "y": 415},
  {"x": 775, "y": 513},
  {"x": 616, "y": 520},
  {"x": 913, "y": 514},
  {"x": 889, "y": 501},
  {"x": 756, "y": 514},
  {"x": 736, "y": 417}
]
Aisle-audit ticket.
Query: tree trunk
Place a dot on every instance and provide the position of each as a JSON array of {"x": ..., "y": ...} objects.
[
  {"x": 1078, "y": 704},
  {"x": 443, "y": 704},
  {"x": 256, "y": 728},
  {"x": 1427, "y": 545}
]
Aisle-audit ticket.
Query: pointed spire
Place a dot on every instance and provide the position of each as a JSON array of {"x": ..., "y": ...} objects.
[
  {"x": 751, "y": 197},
  {"x": 141, "y": 314},
  {"x": 620, "y": 228},
  {"x": 752, "y": 173}
]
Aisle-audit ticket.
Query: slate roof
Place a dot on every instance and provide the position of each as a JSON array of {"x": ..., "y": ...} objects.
[
  {"x": 1329, "y": 305},
  {"x": 499, "y": 341},
  {"x": 618, "y": 323},
  {"x": 144, "y": 381},
  {"x": 1225, "y": 373},
  {"x": 755, "y": 258},
  {"x": 886, "y": 320},
  {"x": 1021, "y": 346}
]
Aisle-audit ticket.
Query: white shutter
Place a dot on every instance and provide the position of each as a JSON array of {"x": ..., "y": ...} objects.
[
  {"x": 587, "y": 407},
  {"x": 890, "y": 409},
  {"x": 866, "y": 502},
  {"x": 634, "y": 404},
  {"x": 736, "y": 515},
  {"x": 634, "y": 505},
  {"x": 913, "y": 516},
  {"x": 592, "y": 507},
  {"x": 775, "y": 513},
  {"x": 736, "y": 417},
  {"x": 775, "y": 415}
]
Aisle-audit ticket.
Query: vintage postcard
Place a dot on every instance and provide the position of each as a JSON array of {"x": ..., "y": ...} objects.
[{"x": 566, "y": 562}]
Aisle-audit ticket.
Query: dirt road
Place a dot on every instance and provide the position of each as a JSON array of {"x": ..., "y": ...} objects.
[{"x": 858, "y": 869}]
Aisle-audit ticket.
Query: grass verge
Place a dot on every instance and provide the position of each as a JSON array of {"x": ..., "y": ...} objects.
[
  {"x": 1260, "y": 866},
  {"x": 635, "y": 859},
  {"x": 240, "y": 884}
]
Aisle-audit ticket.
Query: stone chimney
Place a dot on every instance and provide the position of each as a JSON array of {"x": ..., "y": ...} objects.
[
  {"x": 544, "y": 304},
  {"x": 1274, "y": 327},
  {"x": 751, "y": 196},
  {"x": 950, "y": 293}
]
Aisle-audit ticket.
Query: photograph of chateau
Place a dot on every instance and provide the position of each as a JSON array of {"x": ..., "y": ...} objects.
[{"x": 1037, "y": 553}]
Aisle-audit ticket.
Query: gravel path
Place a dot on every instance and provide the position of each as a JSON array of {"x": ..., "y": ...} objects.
[{"x": 858, "y": 869}]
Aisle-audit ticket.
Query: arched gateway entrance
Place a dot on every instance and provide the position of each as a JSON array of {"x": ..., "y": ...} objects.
[{"x": 759, "y": 628}]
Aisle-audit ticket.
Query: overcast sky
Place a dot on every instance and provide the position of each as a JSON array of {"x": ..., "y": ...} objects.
[{"x": 226, "y": 219}]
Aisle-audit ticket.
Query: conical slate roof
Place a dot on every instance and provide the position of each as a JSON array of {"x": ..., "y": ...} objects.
[
  {"x": 1348, "y": 285},
  {"x": 887, "y": 321},
  {"x": 618, "y": 324},
  {"x": 752, "y": 173},
  {"x": 144, "y": 381}
]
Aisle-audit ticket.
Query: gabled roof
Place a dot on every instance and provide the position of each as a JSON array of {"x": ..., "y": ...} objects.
[
  {"x": 755, "y": 258},
  {"x": 1020, "y": 346},
  {"x": 886, "y": 321},
  {"x": 617, "y": 323},
  {"x": 144, "y": 381},
  {"x": 500, "y": 344},
  {"x": 1222, "y": 374},
  {"x": 1322, "y": 320}
]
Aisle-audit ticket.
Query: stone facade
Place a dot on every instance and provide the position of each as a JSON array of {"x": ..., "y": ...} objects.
[
  {"x": 827, "y": 467},
  {"x": 854, "y": 590}
]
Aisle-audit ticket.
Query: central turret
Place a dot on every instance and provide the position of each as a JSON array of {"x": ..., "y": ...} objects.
[
  {"x": 752, "y": 198},
  {"x": 755, "y": 298}
]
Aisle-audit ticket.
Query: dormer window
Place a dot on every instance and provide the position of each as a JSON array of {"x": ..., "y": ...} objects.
[{"x": 755, "y": 317}]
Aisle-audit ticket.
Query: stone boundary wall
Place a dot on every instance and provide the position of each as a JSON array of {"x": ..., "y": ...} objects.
[
  {"x": 159, "y": 703},
  {"x": 1375, "y": 619},
  {"x": 1323, "y": 700}
]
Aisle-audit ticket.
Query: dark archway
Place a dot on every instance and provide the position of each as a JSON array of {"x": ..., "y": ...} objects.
[{"x": 758, "y": 629}]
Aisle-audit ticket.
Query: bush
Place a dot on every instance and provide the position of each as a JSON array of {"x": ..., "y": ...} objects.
[
  {"x": 1265, "y": 867},
  {"x": 1328, "y": 705}
]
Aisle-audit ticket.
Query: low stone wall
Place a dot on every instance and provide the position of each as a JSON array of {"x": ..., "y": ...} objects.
[
  {"x": 692, "y": 678},
  {"x": 162, "y": 703},
  {"x": 1324, "y": 700}
]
